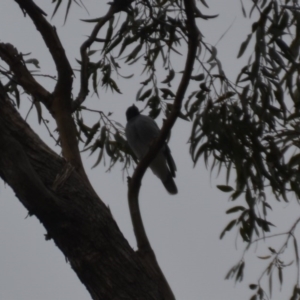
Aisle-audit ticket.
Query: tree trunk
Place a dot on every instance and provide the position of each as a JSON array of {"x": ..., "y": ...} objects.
[{"x": 78, "y": 221}]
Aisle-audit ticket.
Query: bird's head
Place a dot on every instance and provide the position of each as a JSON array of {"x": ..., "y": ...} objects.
[{"x": 132, "y": 112}]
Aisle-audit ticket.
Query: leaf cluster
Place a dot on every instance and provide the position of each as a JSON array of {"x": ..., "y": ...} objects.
[
  {"x": 150, "y": 33},
  {"x": 251, "y": 127},
  {"x": 105, "y": 137}
]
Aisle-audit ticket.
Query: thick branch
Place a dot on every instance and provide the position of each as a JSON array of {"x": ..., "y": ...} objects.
[
  {"x": 135, "y": 181},
  {"x": 77, "y": 221},
  {"x": 51, "y": 39},
  {"x": 61, "y": 106}
]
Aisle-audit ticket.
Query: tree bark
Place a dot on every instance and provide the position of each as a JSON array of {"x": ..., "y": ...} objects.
[{"x": 78, "y": 221}]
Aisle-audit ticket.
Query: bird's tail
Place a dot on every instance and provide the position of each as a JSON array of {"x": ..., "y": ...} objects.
[{"x": 170, "y": 185}]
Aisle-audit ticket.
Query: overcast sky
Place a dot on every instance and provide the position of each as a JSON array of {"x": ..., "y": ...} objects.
[{"x": 183, "y": 229}]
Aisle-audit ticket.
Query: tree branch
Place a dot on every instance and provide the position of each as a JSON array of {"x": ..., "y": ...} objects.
[
  {"x": 135, "y": 182},
  {"x": 78, "y": 221},
  {"x": 61, "y": 105},
  {"x": 51, "y": 39},
  {"x": 84, "y": 76},
  {"x": 115, "y": 7}
]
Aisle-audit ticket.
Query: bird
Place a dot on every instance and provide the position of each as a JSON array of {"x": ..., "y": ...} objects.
[{"x": 140, "y": 132}]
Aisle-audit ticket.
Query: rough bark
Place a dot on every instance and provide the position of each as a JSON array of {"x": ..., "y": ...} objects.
[{"x": 78, "y": 222}]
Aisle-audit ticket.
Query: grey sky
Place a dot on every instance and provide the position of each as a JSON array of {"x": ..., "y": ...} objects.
[{"x": 183, "y": 229}]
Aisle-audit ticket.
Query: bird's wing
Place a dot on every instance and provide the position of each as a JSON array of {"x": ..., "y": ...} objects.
[
  {"x": 140, "y": 132},
  {"x": 147, "y": 129}
]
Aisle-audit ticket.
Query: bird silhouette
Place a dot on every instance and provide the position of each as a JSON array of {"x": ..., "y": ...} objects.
[{"x": 140, "y": 132}]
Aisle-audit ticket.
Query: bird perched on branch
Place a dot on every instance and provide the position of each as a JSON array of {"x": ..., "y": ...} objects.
[{"x": 140, "y": 132}]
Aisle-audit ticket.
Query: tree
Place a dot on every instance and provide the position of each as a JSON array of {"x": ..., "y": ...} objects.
[{"x": 248, "y": 127}]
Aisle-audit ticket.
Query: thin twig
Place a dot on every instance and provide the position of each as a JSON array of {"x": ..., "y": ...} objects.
[
  {"x": 22, "y": 76},
  {"x": 84, "y": 76}
]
